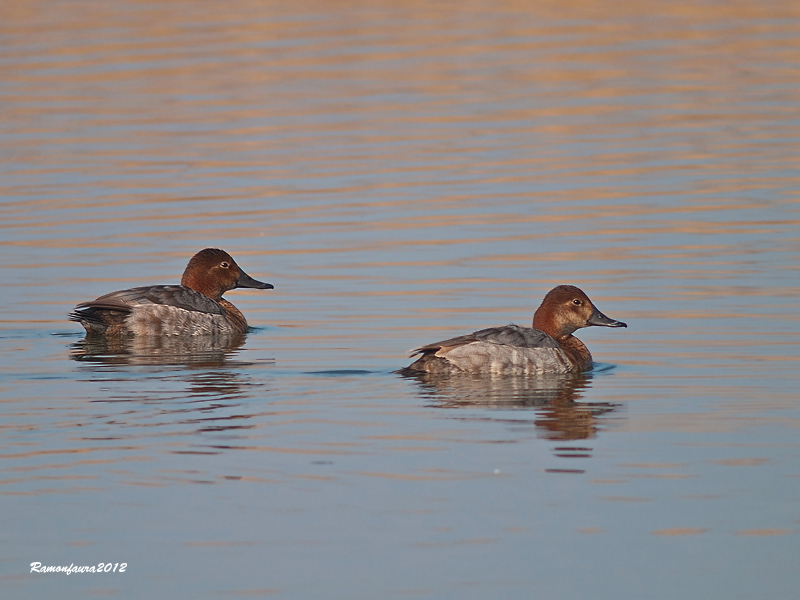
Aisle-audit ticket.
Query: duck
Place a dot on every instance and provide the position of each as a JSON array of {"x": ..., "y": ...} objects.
[
  {"x": 547, "y": 347},
  {"x": 193, "y": 308}
]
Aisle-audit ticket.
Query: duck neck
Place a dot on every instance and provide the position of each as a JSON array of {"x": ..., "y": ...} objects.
[
  {"x": 198, "y": 285},
  {"x": 577, "y": 352},
  {"x": 234, "y": 315}
]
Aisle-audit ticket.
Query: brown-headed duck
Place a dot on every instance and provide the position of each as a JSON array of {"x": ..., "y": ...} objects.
[
  {"x": 548, "y": 347},
  {"x": 195, "y": 307}
]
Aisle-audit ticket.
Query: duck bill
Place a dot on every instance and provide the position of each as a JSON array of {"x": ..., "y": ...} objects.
[
  {"x": 245, "y": 281},
  {"x": 601, "y": 320}
]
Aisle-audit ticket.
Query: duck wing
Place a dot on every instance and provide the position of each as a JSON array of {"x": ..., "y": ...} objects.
[
  {"x": 177, "y": 296},
  {"x": 509, "y": 335},
  {"x": 509, "y": 349}
]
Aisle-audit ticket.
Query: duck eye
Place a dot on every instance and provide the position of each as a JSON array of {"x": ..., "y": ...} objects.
[
  {"x": 577, "y": 302},
  {"x": 224, "y": 265}
]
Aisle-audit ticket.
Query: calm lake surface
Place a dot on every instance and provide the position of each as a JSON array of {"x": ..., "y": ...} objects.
[{"x": 403, "y": 172}]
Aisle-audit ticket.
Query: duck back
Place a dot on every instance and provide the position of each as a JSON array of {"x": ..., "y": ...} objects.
[
  {"x": 508, "y": 350},
  {"x": 153, "y": 310}
]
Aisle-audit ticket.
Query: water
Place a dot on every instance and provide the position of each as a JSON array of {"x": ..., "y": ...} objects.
[{"x": 403, "y": 173}]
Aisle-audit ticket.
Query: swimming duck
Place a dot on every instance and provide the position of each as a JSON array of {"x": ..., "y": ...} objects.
[
  {"x": 195, "y": 307},
  {"x": 547, "y": 347}
]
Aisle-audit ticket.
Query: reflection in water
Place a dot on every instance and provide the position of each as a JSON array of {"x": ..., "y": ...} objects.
[
  {"x": 559, "y": 415},
  {"x": 158, "y": 350},
  {"x": 192, "y": 390}
]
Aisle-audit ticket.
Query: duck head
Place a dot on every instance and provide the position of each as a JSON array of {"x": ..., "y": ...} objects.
[
  {"x": 213, "y": 272},
  {"x": 566, "y": 309}
]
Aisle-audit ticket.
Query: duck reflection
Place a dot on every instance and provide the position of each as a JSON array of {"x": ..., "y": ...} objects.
[
  {"x": 158, "y": 350},
  {"x": 196, "y": 387},
  {"x": 559, "y": 414}
]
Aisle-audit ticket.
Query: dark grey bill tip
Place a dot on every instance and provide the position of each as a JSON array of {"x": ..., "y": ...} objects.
[
  {"x": 601, "y": 320},
  {"x": 245, "y": 281}
]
